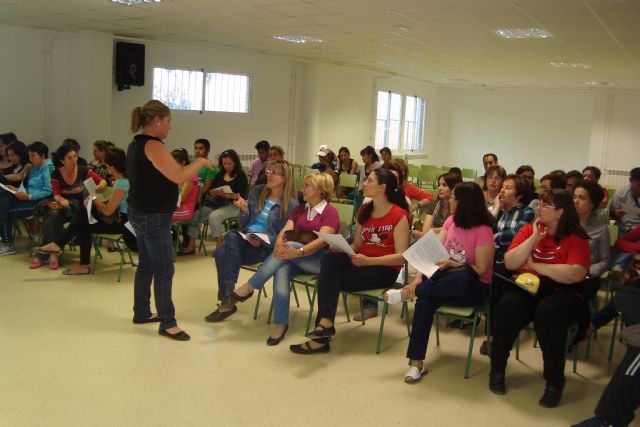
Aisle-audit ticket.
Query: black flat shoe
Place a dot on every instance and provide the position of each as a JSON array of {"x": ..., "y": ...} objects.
[
  {"x": 485, "y": 348},
  {"x": 275, "y": 341},
  {"x": 237, "y": 298},
  {"x": 219, "y": 316},
  {"x": 305, "y": 348},
  {"x": 147, "y": 320},
  {"x": 179, "y": 336},
  {"x": 551, "y": 397},
  {"x": 322, "y": 332},
  {"x": 496, "y": 382}
]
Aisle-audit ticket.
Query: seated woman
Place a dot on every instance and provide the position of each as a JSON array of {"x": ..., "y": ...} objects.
[
  {"x": 587, "y": 197},
  {"x": 462, "y": 279},
  {"x": 67, "y": 182},
  {"x": 382, "y": 235},
  {"x": 437, "y": 211},
  {"x": 513, "y": 215},
  {"x": 412, "y": 192},
  {"x": 298, "y": 256},
  {"x": 370, "y": 161},
  {"x": 5, "y": 163},
  {"x": 218, "y": 205},
  {"x": 275, "y": 153},
  {"x": 98, "y": 165},
  {"x": 23, "y": 204},
  {"x": 593, "y": 173},
  {"x": 111, "y": 216},
  {"x": 18, "y": 156},
  {"x": 493, "y": 179},
  {"x": 345, "y": 163},
  {"x": 264, "y": 213},
  {"x": 188, "y": 191},
  {"x": 554, "y": 248}
]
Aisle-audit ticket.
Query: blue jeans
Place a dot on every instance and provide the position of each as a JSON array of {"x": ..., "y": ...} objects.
[
  {"x": 283, "y": 271},
  {"x": 457, "y": 289},
  {"x": 10, "y": 208},
  {"x": 234, "y": 252},
  {"x": 153, "y": 232}
]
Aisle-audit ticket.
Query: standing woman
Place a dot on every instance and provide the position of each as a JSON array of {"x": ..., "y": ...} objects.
[{"x": 153, "y": 195}]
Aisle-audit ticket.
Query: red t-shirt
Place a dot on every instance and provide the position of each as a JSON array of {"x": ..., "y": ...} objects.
[
  {"x": 572, "y": 249},
  {"x": 377, "y": 234}
]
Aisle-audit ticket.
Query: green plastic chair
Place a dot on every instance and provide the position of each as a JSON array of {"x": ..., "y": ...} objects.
[
  {"x": 468, "y": 314},
  {"x": 469, "y": 174},
  {"x": 119, "y": 244},
  {"x": 571, "y": 331},
  {"x": 350, "y": 184}
]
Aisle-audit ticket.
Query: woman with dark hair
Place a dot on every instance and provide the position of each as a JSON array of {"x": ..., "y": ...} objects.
[
  {"x": 18, "y": 156},
  {"x": 554, "y": 249},
  {"x": 100, "y": 149},
  {"x": 527, "y": 172},
  {"x": 421, "y": 197},
  {"x": 5, "y": 163},
  {"x": 370, "y": 161},
  {"x": 437, "y": 211},
  {"x": 189, "y": 189},
  {"x": 265, "y": 213},
  {"x": 110, "y": 216},
  {"x": 493, "y": 179},
  {"x": 218, "y": 205},
  {"x": 462, "y": 279},
  {"x": 382, "y": 235},
  {"x": 345, "y": 162},
  {"x": 153, "y": 195},
  {"x": 67, "y": 182},
  {"x": 593, "y": 174},
  {"x": 587, "y": 196},
  {"x": 22, "y": 204}
]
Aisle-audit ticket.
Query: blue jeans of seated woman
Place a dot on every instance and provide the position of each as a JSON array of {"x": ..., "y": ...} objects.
[
  {"x": 234, "y": 252},
  {"x": 283, "y": 271},
  {"x": 153, "y": 232},
  {"x": 457, "y": 289}
]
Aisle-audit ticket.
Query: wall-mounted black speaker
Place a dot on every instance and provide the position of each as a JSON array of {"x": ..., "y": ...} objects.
[{"x": 129, "y": 65}]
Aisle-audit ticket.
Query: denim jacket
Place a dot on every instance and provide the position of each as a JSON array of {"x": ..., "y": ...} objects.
[
  {"x": 39, "y": 181},
  {"x": 274, "y": 222}
]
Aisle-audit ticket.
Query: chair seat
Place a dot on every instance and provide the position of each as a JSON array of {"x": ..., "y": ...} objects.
[
  {"x": 251, "y": 267},
  {"x": 109, "y": 236},
  {"x": 456, "y": 311},
  {"x": 372, "y": 293}
]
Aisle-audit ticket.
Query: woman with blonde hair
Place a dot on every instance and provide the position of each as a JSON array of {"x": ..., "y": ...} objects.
[
  {"x": 297, "y": 249},
  {"x": 261, "y": 218},
  {"x": 153, "y": 195}
]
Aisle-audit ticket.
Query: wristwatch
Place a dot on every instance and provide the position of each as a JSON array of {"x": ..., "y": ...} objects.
[
  {"x": 94, "y": 197},
  {"x": 301, "y": 250}
]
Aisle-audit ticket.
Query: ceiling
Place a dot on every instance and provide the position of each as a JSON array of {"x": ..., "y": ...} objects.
[{"x": 444, "y": 42}]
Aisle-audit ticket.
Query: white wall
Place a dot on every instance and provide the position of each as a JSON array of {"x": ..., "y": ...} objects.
[
  {"x": 269, "y": 117},
  {"x": 546, "y": 129},
  {"x": 22, "y": 82}
]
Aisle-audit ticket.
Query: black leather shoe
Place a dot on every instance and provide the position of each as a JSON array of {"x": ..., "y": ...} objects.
[
  {"x": 322, "y": 332},
  {"x": 305, "y": 348},
  {"x": 180, "y": 336},
  {"x": 551, "y": 397},
  {"x": 219, "y": 316},
  {"x": 147, "y": 320},
  {"x": 485, "y": 348},
  {"x": 237, "y": 298},
  {"x": 275, "y": 341},
  {"x": 496, "y": 382}
]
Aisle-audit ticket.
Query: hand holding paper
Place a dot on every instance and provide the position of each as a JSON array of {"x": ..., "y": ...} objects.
[{"x": 336, "y": 240}]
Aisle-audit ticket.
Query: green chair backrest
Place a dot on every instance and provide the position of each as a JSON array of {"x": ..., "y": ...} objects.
[
  {"x": 345, "y": 212},
  {"x": 346, "y": 180},
  {"x": 469, "y": 173}
]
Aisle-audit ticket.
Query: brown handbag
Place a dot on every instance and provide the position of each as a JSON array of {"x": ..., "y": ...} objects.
[{"x": 300, "y": 236}]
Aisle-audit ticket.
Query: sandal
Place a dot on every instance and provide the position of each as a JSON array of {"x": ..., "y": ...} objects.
[
  {"x": 36, "y": 263},
  {"x": 54, "y": 265},
  {"x": 70, "y": 272},
  {"x": 322, "y": 332},
  {"x": 40, "y": 251},
  {"x": 305, "y": 348},
  {"x": 414, "y": 374}
]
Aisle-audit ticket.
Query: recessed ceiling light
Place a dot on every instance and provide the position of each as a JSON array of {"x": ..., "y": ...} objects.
[
  {"x": 299, "y": 39},
  {"x": 131, "y": 2},
  {"x": 572, "y": 65},
  {"x": 523, "y": 33}
]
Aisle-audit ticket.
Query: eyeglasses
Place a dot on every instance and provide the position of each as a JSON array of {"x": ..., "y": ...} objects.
[
  {"x": 545, "y": 205},
  {"x": 273, "y": 172}
]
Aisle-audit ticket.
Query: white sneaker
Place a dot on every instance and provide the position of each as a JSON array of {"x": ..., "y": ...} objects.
[
  {"x": 7, "y": 250},
  {"x": 393, "y": 296}
]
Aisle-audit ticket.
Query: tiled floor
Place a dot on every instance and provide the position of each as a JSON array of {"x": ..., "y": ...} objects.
[{"x": 71, "y": 357}]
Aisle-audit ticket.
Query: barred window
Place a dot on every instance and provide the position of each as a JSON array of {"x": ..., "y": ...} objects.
[{"x": 227, "y": 92}]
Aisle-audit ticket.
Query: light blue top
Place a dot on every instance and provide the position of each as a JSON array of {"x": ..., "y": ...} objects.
[
  {"x": 259, "y": 225},
  {"x": 39, "y": 181},
  {"x": 123, "y": 184}
]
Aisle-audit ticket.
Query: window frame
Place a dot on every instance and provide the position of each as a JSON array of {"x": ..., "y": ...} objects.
[{"x": 402, "y": 146}]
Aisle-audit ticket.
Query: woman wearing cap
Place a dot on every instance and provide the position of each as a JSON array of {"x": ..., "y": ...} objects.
[{"x": 326, "y": 162}]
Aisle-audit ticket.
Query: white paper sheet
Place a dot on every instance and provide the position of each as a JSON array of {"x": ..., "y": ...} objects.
[
  {"x": 21, "y": 189},
  {"x": 260, "y": 236},
  {"x": 92, "y": 220},
  {"x": 225, "y": 189},
  {"x": 337, "y": 241},
  {"x": 179, "y": 200},
  {"x": 4, "y": 187},
  {"x": 91, "y": 186},
  {"x": 424, "y": 254},
  {"x": 630, "y": 212},
  {"x": 129, "y": 227}
]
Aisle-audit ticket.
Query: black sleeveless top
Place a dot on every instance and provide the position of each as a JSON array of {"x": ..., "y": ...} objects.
[{"x": 150, "y": 191}]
